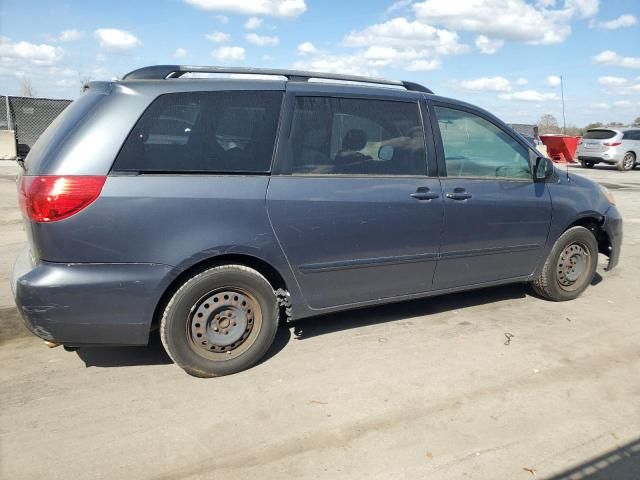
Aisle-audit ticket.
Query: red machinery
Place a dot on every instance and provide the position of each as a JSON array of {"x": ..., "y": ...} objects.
[{"x": 561, "y": 148}]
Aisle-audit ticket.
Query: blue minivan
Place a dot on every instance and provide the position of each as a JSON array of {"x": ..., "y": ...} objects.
[{"x": 213, "y": 208}]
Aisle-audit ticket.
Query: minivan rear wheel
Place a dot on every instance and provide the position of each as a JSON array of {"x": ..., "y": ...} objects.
[
  {"x": 570, "y": 266},
  {"x": 627, "y": 162},
  {"x": 221, "y": 321}
]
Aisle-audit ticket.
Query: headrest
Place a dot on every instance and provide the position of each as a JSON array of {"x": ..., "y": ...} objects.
[{"x": 354, "y": 140}]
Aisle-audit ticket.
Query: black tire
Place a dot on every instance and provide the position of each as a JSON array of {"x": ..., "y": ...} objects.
[
  {"x": 627, "y": 162},
  {"x": 587, "y": 164},
  {"x": 221, "y": 321},
  {"x": 556, "y": 279}
]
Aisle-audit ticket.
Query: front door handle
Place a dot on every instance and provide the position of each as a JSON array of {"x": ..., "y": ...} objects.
[
  {"x": 423, "y": 193},
  {"x": 458, "y": 194}
]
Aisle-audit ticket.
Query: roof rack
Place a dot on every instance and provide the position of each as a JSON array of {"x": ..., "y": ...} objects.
[{"x": 161, "y": 72}]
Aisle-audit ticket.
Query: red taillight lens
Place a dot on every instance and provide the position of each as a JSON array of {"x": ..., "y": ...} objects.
[
  {"x": 612, "y": 144},
  {"x": 52, "y": 198}
]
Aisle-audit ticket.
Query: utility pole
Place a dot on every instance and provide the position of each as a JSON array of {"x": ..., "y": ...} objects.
[{"x": 564, "y": 123}]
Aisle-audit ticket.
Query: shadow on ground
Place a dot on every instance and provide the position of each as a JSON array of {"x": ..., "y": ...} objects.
[
  {"x": 154, "y": 353},
  {"x": 622, "y": 463},
  {"x": 399, "y": 311}
]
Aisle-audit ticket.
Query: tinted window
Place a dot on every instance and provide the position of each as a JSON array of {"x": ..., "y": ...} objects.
[
  {"x": 599, "y": 134},
  {"x": 475, "y": 147},
  {"x": 204, "y": 132},
  {"x": 631, "y": 135},
  {"x": 356, "y": 137}
]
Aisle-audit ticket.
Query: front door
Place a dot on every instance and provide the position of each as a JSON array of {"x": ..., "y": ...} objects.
[
  {"x": 352, "y": 206},
  {"x": 496, "y": 219}
]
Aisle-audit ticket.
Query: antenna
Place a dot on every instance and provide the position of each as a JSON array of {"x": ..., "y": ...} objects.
[{"x": 564, "y": 123}]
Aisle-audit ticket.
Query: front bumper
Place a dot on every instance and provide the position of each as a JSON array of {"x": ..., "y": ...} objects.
[
  {"x": 88, "y": 304},
  {"x": 613, "y": 226}
]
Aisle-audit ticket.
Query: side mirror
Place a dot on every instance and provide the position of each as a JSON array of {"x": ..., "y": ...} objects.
[
  {"x": 386, "y": 152},
  {"x": 543, "y": 169}
]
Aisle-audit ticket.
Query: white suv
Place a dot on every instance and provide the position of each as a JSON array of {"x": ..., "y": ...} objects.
[{"x": 620, "y": 147}]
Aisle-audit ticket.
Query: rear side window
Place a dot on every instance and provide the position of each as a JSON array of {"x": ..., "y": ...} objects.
[
  {"x": 631, "y": 135},
  {"x": 345, "y": 136},
  {"x": 208, "y": 132},
  {"x": 599, "y": 134}
]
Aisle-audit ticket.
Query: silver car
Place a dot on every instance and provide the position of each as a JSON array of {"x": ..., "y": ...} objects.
[{"x": 615, "y": 146}]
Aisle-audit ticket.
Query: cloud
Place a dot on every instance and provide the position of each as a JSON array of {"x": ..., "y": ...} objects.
[
  {"x": 180, "y": 53},
  {"x": 512, "y": 20},
  {"x": 622, "y": 103},
  {"x": 218, "y": 37},
  {"x": 275, "y": 8},
  {"x": 347, "y": 64},
  {"x": 485, "y": 84},
  {"x": 521, "y": 81},
  {"x": 620, "y": 85},
  {"x": 529, "y": 96},
  {"x": 609, "y": 57},
  {"x": 13, "y": 53},
  {"x": 553, "y": 80},
  {"x": 487, "y": 45},
  {"x": 612, "y": 81},
  {"x": 224, "y": 54},
  {"x": 222, "y": 18},
  {"x": 253, "y": 23},
  {"x": 117, "y": 41},
  {"x": 623, "y": 21},
  {"x": 398, "y": 5},
  {"x": 71, "y": 35},
  {"x": 306, "y": 48},
  {"x": 402, "y": 33},
  {"x": 66, "y": 83},
  {"x": 262, "y": 40},
  {"x": 401, "y": 43},
  {"x": 423, "y": 65}
]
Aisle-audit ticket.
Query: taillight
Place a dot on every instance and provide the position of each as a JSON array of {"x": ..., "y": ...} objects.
[
  {"x": 52, "y": 198},
  {"x": 612, "y": 144}
]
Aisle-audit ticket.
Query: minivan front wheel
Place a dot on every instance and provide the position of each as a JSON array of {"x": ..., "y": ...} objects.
[
  {"x": 221, "y": 321},
  {"x": 570, "y": 266}
]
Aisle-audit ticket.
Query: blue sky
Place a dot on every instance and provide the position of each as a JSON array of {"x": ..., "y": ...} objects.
[{"x": 504, "y": 55}]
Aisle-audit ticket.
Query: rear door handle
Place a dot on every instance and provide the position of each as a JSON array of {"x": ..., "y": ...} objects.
[
  {"x": 423, "y": 193},
  {"x": 459, "y": 194}
]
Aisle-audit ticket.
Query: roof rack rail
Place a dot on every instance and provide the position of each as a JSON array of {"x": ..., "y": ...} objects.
[{"x": 161, "y": 72}]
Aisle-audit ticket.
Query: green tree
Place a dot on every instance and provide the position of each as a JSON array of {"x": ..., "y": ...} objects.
[
  {"x": 636, "y": 122},
  {"x": 594, "y": 125}
]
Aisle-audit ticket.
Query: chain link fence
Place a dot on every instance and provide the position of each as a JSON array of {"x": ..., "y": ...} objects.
[{"x": 28, "y": 117}]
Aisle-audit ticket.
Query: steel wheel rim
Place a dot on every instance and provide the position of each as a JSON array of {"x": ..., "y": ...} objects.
[
  {"x": 627, "y": 162},
  {"x": 224, "y": 324},
  {"x": 573, "y": 264}
]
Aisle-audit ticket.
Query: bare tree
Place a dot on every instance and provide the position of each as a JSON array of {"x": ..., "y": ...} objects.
[
  {"x": 84, "y": 83},
  {"x": 26, "y": 89},
  {"x": 548, "y": 124}
]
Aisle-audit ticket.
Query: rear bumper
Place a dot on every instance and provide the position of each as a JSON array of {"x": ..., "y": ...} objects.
[
  {"x": 88, "y": 304},
  {"x": 613, "y": 226},
  {"x": 612, "y": 155}
]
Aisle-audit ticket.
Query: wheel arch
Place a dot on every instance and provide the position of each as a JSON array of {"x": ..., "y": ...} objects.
[
  {"x": 595, "y": 224},
  {"x": 266, "y": 269}
]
